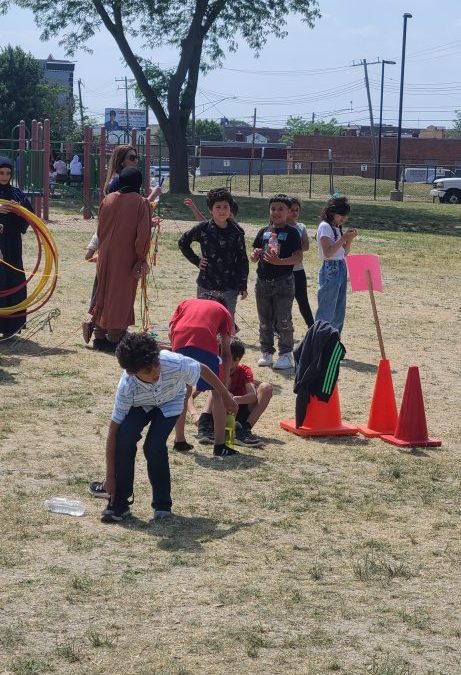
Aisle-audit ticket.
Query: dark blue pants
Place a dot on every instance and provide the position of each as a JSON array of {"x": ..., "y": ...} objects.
[{"x": 155, "y": 452}]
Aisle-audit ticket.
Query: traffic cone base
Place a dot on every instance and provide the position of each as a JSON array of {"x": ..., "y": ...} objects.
[
  {"x": 341, "y": 430},
  {"x": 423, "y": 443},
  {"x": 411, "y": 429},
  {"x": 321, "y": 419},
  {"x": 383, "y": 410}
]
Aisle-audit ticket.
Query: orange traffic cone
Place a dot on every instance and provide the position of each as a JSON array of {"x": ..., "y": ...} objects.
[
  {"x": 411, "y": 430},
  {"x": 321, "y": 419},
  {"x": 383, "y": 411}
]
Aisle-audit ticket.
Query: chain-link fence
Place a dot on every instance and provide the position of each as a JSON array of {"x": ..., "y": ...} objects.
[{"x": 361, "y": 181}]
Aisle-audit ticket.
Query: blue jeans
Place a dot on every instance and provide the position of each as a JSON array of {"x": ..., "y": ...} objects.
[
  {"x": 331, "y": 295},
  {"x": 155, "y": 452}
]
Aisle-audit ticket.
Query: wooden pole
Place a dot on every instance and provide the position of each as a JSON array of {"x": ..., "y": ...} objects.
[{"x": 375, "y": 314}]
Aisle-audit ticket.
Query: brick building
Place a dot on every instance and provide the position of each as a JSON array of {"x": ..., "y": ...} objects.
[{"x": 353, "y": 153}]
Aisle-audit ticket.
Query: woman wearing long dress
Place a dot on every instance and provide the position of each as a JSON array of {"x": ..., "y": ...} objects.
[
  {"x": 124, "y": 236},
  {"x": 12, "y": 227}
]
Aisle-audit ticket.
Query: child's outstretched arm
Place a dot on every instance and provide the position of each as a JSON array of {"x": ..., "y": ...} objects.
[
  {"x": 211, "y": 379},
  {"x": 195, "y": 209}
]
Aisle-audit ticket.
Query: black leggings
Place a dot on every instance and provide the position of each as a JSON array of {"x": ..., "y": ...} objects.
[{"x": 301, "y": 297}]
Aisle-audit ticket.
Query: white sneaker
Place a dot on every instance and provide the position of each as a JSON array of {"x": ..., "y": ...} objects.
[
  {"x": 284, "y": 362},
  {"x": 265, "y": 360}
]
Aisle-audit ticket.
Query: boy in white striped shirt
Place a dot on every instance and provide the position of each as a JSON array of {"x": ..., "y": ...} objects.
[{"x": 150, "y": 392}]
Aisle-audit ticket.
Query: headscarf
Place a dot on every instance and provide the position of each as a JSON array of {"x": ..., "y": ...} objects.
[
  {"x": 7, "y": 162},
  {"x": 75, "y": 160},
  {"x": 130, "y": 180}
]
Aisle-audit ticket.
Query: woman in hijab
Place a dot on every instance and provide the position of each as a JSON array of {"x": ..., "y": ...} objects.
[
  {"x": 75, "y": 168},
  {"x": 13, "y": 289},
  {"x": 124, "y": 238}
]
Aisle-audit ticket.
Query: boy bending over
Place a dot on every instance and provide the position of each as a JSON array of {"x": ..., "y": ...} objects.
[{"x": 150, "y": 393}]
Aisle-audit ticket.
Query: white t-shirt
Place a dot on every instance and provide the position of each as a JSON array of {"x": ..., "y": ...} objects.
[
  {"x": 326, "y": 230},
  {"x": 60, "y": 167},
  {"x": 301, "y": 229}
]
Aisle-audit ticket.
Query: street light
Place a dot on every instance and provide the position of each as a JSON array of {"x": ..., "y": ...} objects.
[
  {"x": 389, "y": 63},
  {"x": 406, "y": 16}
]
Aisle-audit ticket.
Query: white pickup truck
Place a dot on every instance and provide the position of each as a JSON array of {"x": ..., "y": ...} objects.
[{"x": 447, "y": 190}]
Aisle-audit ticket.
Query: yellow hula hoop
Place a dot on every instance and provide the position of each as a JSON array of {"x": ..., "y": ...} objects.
[{"x": 49, "y": 274}]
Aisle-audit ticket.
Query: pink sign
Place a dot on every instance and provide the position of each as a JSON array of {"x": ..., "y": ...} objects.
[{"x": 357, "y": 265}]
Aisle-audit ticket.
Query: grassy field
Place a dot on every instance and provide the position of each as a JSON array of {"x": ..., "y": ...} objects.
[{"x": 309, "y": 556}]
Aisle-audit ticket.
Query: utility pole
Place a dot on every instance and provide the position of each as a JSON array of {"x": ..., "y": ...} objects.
[
  {"x": 82, "y": 118},
  {"x": 313, "y": 118},
  {"x": 250, "y": 166},
  {"x": 365, "y": 65},
  {"x": 125, "y": 86}
]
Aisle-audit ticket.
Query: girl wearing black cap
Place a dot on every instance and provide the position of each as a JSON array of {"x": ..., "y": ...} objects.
[
  {"x": 333, "y": 248},
  {"x": 13, "y": 289}
]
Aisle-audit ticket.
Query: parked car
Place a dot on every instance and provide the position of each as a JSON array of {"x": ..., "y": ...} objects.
[
  {"x": 447, "y": 190},
  {"x": 162, "y": 171},
  {"x": 424, "y": 174}
]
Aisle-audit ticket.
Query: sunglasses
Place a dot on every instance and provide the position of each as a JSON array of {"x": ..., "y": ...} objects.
[{"x": 132, "y": 158}]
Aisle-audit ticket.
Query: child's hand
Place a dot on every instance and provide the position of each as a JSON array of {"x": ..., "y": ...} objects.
[
  {"x": 243, "y": 294},
  {"x": 6, "y": 208},
  {"x": 188, "y": 202},
  {"x": 256, "y": 254},
  {"x": 230, "y": 403},
  {"x": 351, "y": 233},
  {"x": 90, "y": 255},
  {"x": 203, "y": 264},
  {"x": 271, "y": 257}
]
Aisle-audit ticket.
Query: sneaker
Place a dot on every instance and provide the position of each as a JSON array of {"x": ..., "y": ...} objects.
[
  {"x": 114, "y": 515},
  {"x": 265, "y": 360},
  {"x": 284, "y": 362},
  {"x": 205, "y": 429},
  {"x": 243, "y": 436},
  {"x": 161, "y": 515},
  {"x": 182, "y": 446},
  {"x": 87, "y": 329},
  {"x": 97, "y": 489},
  {"x": 224, "y": 451}
]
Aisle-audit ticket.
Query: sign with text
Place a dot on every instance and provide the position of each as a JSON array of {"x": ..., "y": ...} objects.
[
  {"x": 357, "y": 266},
  {"x": 115, "y": 119}
]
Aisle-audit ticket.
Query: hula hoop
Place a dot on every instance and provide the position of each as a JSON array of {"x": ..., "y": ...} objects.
[{"x": 49, "y": 274}]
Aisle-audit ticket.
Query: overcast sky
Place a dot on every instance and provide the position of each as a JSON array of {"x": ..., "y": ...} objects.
[{"x": 310, "y": 72}]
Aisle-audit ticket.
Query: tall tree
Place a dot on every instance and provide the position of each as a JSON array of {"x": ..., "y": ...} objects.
[
  {"x": 199, "y": 30},
  {"x": 455, "y": 132},
  {"x": 298, "y": 126},
  {"x": 26, "y": 95}
]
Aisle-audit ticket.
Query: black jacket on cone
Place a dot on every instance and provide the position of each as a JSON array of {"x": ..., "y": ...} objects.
[{"x": 317, "y": 360}]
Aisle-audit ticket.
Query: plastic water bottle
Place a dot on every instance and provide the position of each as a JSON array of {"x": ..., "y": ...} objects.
[
  {"x": 70, "y": 507},
  {"x": 273, "y": 243},
  {"x": 230, "y": 430}
]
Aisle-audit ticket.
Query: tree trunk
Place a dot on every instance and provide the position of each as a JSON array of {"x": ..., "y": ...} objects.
[{"x": 179, "y": 165}]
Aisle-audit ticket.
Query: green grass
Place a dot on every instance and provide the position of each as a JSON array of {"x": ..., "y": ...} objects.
[{"x": 384, "y": 216}]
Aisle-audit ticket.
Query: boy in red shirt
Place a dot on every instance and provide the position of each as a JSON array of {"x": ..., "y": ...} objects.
[
  {"x": 194, "y": 329},
  {"x": 252, "y": 401}
]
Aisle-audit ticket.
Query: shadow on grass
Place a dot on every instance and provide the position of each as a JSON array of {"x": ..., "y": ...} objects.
[
  {"x": 186, "y": 533},
  {"x": 360, "y": 366},
  {"x": 6, "y": 377},
  {"x": 24, "y": 347},
  {"x": 233, "y": 463}
]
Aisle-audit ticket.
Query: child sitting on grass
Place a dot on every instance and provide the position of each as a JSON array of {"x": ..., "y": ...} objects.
[
  {"x": 252, "y": 400},
  {"x": 150, "y": 393}
]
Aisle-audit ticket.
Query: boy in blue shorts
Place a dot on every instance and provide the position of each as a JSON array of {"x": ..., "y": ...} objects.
[
  {"x": 150, "y": 393},
  {"x": 194, "y": 329}
]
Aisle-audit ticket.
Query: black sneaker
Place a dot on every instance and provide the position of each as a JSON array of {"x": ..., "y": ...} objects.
[
  {"x": 97, "y": 489},
  {"x": 182, "y": 446},
  {"x": 243, "y": 436},
  {"x": 224, "y": 451},
  {"x": 114, "y": 515}
]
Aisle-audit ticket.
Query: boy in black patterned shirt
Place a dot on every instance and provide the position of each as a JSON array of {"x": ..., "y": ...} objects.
[{"x": 223, "y": 263}]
